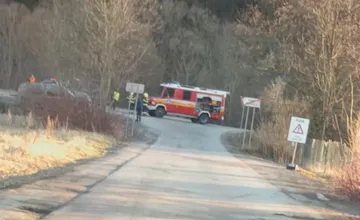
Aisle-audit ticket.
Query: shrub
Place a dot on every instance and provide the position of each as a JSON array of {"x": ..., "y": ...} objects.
[
  {"x": 276, "y": 112},
  {"x": 72, "y": 113},
  {"x": 348, "y": 179},
  {"x": 272, "y": 139}
]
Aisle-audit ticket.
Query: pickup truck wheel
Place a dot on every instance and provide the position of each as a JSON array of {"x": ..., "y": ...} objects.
[
  {"x": 3, "y": 108},
  {"x": 160, "y": 112},
  {"x": 204, "y": 118}
]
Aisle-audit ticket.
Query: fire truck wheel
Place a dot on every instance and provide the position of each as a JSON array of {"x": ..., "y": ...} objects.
[
  {"x": 160, "y": 112},
  {"x": 204, "y": 118},
  {"x": 152, "y": 113},
  {"x": 194, "y": 120}
]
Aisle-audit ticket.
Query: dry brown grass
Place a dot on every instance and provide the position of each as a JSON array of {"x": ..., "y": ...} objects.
[
  {"x": 272, "y": 139},
  {"x": 276, "y": 112},
  {"x": 348, "y": 179},
  {"x": 25, "y": 150}
]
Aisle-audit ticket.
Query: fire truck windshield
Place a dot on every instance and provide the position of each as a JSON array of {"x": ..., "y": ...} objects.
[
  {"x": 166, "y": 92},
  {"x": 161, "y": 90}
]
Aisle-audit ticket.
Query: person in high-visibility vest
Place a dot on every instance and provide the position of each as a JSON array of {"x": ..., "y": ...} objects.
[
  {"x": 116, "y": 98},
  {"x": 32, "y": 79},
  {"x": 145, "y": 102},
  {"x": 131, "y": 98}
]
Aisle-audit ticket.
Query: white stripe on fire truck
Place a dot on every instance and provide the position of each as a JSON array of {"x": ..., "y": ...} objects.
[{"x": 164, "y": 101}]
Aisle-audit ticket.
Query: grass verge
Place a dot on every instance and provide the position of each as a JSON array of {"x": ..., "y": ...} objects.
[{"x": 25, "y": 151}]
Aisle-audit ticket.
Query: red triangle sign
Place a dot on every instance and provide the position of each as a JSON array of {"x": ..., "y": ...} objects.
[{"x": 298, "y": 130}]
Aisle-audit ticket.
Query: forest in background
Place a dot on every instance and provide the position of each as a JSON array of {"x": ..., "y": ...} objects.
[
  {"x": 194, "y": 42},
  {"x": 301, "y": 57}
]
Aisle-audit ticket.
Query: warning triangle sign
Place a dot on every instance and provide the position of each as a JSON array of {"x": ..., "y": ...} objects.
[{"x": 298, "y": 130}]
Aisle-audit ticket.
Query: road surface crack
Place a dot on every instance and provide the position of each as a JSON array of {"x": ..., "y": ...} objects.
[
  {"x": 241, "y": 196},
  {"x": 296, "y": 217}
]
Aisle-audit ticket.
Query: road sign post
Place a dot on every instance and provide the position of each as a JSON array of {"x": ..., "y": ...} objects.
[
  {"x": 252, "y": 126},
  {"x": 294, "y": 153},
  {"x": 245, "y": 127},
  {"x": 138, "y": 89},
  {"x": 248, "y": 103},
  {"x": 242, "y": 117},
  {"x": 127, "y": 120},
  {"x": 298, "y": 131}
]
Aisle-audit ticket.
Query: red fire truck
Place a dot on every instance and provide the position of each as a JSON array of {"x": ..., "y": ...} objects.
[{"x": 198, "y": 104}]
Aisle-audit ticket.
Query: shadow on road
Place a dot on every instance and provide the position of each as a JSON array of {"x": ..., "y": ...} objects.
[
  {"x": 291, "y": 182},
  {"x": 125, "y": 199}
]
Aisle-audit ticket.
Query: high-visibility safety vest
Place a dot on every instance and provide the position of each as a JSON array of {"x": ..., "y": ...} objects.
[
  {"x": 116, "y": 95},
  {"x": 145, "y": 99},
  {"x": 131, "y": 99}
]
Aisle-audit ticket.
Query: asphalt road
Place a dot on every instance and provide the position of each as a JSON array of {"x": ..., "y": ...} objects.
[{"x": 186, "y": 174}]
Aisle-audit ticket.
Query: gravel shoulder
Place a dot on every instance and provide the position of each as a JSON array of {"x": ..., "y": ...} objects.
[
  {"x": 34, "y": 196},
  {"x": 292, "y": 183}
]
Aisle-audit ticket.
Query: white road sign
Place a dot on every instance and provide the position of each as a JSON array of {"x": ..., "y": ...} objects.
[
  {"x": 251, "y": 102},
  {"x": 135, "y": 87},
  {"x": 298, "y": 130}
]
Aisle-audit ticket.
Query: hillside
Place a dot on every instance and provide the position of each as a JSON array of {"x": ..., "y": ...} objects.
[
  {"x": 234, "y": 45},
  {"x": 239, "y": 46}
]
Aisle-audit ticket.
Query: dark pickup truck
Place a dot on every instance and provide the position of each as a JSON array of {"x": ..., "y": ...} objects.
[{"x": 13, "y": 100}]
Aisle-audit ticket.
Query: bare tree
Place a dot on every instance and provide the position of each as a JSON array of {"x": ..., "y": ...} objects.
[
  {"x": 101, "y": 42},
  {"x": 12, "y": 50},
  {"x": 114, "y": 39},
  {"x": 320, "y": 41},
  {"x": 187, "y": 43}
]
